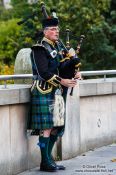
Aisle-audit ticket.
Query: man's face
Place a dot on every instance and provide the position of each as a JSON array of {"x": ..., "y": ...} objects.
[{"x": 52, "y": 33}]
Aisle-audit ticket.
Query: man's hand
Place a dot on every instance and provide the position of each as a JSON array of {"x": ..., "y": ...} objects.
[{"x": 68, "y": 82}]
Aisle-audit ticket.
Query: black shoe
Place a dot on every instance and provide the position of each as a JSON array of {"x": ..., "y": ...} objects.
[
  {"x": 48, "y": 167},
  {"x": 60, "y": 167}
]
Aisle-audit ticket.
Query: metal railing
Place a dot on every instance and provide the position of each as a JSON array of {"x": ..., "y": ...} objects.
[
  {"x": 14, "y": 77},
  {"x": 100, "y": 72},
  {"x": 30, "y": 76}
]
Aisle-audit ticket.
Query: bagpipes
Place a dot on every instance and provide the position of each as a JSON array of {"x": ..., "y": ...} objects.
[
  {"x": 77, "y": 68},
  {"x": 74, "y": 52},
  {"x": 70, "y": 51}
]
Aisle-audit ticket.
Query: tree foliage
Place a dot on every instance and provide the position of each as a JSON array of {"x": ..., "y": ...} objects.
[
  {"x": 96, "y": 19},
  {"x": 9, "y": 40}
]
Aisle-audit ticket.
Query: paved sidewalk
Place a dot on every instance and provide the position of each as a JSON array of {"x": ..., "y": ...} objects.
[{"x": 101, "y": 161}]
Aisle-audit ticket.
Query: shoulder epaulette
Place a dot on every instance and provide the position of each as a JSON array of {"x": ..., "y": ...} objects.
[{"x": 38, "y": 45}]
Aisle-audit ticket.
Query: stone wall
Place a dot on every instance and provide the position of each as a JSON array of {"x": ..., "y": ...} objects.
[{"x": 90, "y": 123}]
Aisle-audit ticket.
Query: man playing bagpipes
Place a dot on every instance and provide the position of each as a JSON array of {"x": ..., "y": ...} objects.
[{"x": 50, "y": 62}]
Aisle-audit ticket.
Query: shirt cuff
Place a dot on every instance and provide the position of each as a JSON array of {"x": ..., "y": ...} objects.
[
  {"x": 77, "y": 65},
  {"x": 55, "y": 80}
]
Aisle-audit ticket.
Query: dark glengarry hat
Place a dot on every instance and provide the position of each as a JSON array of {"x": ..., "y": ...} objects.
[{"x": 49, "y": 22}]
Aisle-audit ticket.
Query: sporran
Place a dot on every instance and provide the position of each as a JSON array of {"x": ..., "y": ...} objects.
[{"x": 58, "y": 109}]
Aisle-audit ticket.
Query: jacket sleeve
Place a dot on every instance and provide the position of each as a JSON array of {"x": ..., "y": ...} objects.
[{"x": 42, "y": 66}]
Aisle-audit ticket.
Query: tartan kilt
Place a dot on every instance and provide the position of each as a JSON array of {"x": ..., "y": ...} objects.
[{"x": 41, "y": 110}]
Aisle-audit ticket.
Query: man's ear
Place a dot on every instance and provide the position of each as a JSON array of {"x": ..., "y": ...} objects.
[{"x": 44, "y": 31}]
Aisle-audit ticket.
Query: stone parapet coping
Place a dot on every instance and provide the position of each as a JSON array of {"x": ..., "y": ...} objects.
[
  {"x": 97, "y": 87},
  {"x": 14, "y": 94},
  {"x": 20, "y": 93}
]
